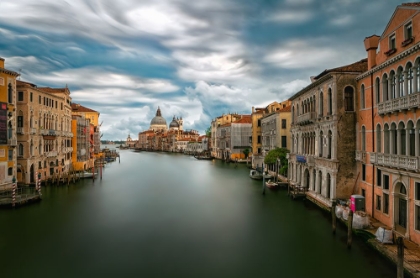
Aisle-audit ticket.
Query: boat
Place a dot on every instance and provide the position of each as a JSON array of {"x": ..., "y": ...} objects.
[
  {"x": 203, "y": 157},
  {"x": 271, "y": 184},
  {"x": 88, "y": 175},
  {"x": 254, "y": 174}
]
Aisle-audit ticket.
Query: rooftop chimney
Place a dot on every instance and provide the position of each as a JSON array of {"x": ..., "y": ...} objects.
[
  {"x": 371, "y": 44},
  {"x": 1, "y": 62}
]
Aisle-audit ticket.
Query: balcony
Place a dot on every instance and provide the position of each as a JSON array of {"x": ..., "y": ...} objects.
[
  {"x": 43, "y": 131},
  {"x": 403, "y": 103},
  {"x": 32, "y": 130},
  {"x": 52, "y": 132},
  {"x": 410, "y": 163},
  {"x": 51, "y": 154},
  {"x": 69, "y": 149},
  {"x": 19, "y": 130},
  {"x": 361, "y": 156},
  {"x": 12, "y": 142},
  {"x": 306, "y": 118}
]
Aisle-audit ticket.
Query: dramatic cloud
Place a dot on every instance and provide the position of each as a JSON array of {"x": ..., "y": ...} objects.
[{"x": 193, "y": 59}]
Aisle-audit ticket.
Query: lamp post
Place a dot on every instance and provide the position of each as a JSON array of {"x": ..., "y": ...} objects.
[{"x": 14, "y": 191}]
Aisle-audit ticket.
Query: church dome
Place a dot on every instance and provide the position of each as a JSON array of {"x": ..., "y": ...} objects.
[
  {"x": 174, "y": 123},
  {"x": 158, "y": 122}
]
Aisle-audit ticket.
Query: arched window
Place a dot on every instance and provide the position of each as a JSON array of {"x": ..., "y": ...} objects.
[
  {"x": 378, "y": 139},
  {"x": 418, "y": 76},
  {"x": 377, "y": 90},
  {"x": 348, "y": 99},
  {"x": 10, "y": 93},
  {"x": 410, "y": 76},
  {"x": 393, "y": 137},
  {"x": 362, "y": 97},
  {"x": 20, "y": 151},
  {"x": 385, "y": 86},
  {"x": 319, "y": 182},
  {"x": 402, "y": 134},
  {"x": 329, "y": 101},
  {"x": 400, "y": 92},
  {"x": 387, "y": 139},
  {"x": 329, "y": 144},
  {"x": 321, "y": 102},
  {"x": 393, "y": 79},
  {"x": 363, "y": 138},
  {"x": 412, "y": 139},
  {"x": 328, "y": 187},
  {"x": 321, "y": 144},
  {"x": 293, "y": 115}
]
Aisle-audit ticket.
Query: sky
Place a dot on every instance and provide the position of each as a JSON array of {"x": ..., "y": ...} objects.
[{"x": 193, "y": 59}]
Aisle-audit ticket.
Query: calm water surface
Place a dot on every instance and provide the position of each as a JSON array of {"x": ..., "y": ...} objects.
[{"x": 169, "y": 215}]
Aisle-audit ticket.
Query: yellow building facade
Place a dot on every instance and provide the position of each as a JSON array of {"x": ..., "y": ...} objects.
[{"x": 8, "y": 139}]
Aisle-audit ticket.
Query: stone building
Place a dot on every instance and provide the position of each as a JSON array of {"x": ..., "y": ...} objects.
[
  {"x": 233, "y": 138},
  {"x": 8, "y": 122},
  {"x": 388, "y": 124},
  {"x": 215, "y": 124},
  {"x": 93, "y": 117},
  {"x": 43, "y": 132},
  {"x": 323, "y": 134},
  {"x": 257, "y": 115}
]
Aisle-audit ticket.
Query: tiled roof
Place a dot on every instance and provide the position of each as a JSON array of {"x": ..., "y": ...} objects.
[
  {"x": 246, "y": 119},
  {"x": 53, "y": 90},
  {"x": 286, "y": 109},
  {"x": 23, "y": 83},
  {"x": 416, "y": 4},
  {"x": 360, "y": 66},
  {"x": 79, "y": 108}
]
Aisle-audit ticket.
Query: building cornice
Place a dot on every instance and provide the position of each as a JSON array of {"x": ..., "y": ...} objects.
[
  {"x": 13, "y": 73},
  {"x": 397, "y": 58}
]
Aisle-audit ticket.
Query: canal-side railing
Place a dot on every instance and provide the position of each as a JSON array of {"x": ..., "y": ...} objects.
[{"x": 22, "y": 193}]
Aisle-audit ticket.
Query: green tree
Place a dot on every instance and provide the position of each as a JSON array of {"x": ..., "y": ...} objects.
[
  {"x": 271, "y": 158},
  {"x": 208, "y": 132},
  {"x": 246, "y": 153}
]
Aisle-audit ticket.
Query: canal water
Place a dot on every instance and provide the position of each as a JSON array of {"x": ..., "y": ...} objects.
[{"x": 170, "y": 215}]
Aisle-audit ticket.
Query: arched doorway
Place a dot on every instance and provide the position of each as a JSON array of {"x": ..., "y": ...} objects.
[
  {"x": 32, "y": 174},
  {"x": 307, "y": 178},
  {"x": 400, "y": 204}
]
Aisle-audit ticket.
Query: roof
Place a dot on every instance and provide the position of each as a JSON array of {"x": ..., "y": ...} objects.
[
  {"x": 416, "y": 4},
  {"x": 53, "y": 90},
  {"x": 360, "y": 66},
  {"x": 75, "y": 107},
  {"x": 245, "y": 119},
  {"x": 286, "y": 109},
  {"x": 23, "y": 83}
]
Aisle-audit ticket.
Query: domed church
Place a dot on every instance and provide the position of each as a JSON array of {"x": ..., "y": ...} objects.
[
  {"x": 176, "y": 124},
  {"x": 158, "y": 122}
]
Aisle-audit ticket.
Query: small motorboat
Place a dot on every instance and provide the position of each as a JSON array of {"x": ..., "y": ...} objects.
[
  {"x": 271, "y": 184},
  {"x": 88, "y": 175},
  {"x": 254, "y": 174}
]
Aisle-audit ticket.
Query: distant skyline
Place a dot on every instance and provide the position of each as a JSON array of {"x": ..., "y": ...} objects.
[{"x": 194, "y": 59}]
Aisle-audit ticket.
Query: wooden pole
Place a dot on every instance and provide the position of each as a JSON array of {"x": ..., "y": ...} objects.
[
  {"x": 400, "y": 258},
  {"x": 334, "y": 216},
  {"x": 350, "y": 229},
  {"x": 263, "y": 192}
]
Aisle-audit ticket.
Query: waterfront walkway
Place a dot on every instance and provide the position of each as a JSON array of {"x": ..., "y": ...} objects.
[{"x": 411, "y": 250}]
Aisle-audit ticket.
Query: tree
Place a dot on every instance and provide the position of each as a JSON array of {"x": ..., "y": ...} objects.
[
  {"x": 246, "y": 153},
  {"x": 271, "y": 158},
  {"x": 208, "y": 132}
]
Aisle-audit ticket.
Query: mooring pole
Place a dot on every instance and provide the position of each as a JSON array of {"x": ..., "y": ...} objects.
[
  {"x": 400, "y": 258},
  {"x": 263, "y": 192},
  {"x": 350, "y": 229},
  {"x": 334, "y": 216}
]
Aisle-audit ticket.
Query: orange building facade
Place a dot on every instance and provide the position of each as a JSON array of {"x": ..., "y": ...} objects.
[{"x": 388, "y": 124}]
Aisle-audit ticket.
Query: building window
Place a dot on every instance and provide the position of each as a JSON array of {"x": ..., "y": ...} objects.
[
  {"x": 378, "y": 177},
  {"x": 408, "y": 31},
  {"x": 10, "y": 171},
  {"x": 362, "y": 97},
  {"x": 20, "y": 150},
  {"x": 363, "y": 193},
  {"x": 348, "y": 99},
  {"x": 363, "y": 138},
  {"x": 386, "y": 182},
  {"x": 377, "y": 90},
  {"x": 259, "y": 139},
  {"x": 386, "y": 203},
  {"x": 378, "y": 202},
  {"x": 321, "y": 103},
  {"x": 417, "y": 188},
  {"x": 39, "y": 99},
  {"x": 259, "y": 122},
  {"x": 20, "y": 96},
  {"x": 10, "y": 93},
  {"x": 284, "y": 142},
  {"x": 363, "y": 172},
  {"x": 329, "y": 101},
  {"x": 392, "y": 44},
  {"x": 31, "y": 95},
  {"x": 10, "y": 155},
  {"x": 283, "y": 123}
]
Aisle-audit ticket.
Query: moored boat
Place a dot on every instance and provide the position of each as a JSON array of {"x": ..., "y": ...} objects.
[
  {"x": 254, "y": 174},
  {"x": 271, "y": 184}
]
